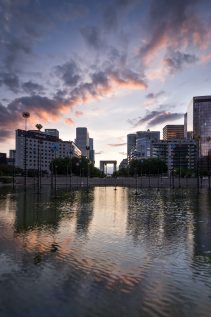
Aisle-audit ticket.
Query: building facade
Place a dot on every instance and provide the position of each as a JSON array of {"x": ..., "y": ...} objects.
[
  {"x": 38, "y": 149},
  {"x": 173, "y": 131},
  {"x": 177, "y": 153},
  {"x": 131, "y": 142},
  {"x": 82, "y": 140},
  {"x": 199, "y": 123},
  {"x": 53, "y": 132},
  {"x": 91, "y": 150},
  {"x": 143, "y": 144}
]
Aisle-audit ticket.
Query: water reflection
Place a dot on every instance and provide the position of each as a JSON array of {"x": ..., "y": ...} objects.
[{"x": 105, "y": 253}]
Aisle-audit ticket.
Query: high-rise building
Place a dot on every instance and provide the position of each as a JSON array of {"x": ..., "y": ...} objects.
[
  {"x": 144, "y": 141},
  {"x": 38, "y": 149},
  {"x": 173, "y": 131},
  {"x": 82, "y": 140},
  {"x": 131, "y": 142},
  {"x": 177, "y": 153},
  {"x": 91, "y": 150},
  {"x": 139, "y": 145},
  {"x": 199, "y": 123}
]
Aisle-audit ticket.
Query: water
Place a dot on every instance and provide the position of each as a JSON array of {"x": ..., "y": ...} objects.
[{"x": 105, "y": 253}]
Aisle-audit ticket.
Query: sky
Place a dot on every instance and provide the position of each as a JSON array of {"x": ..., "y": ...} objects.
[{"x": 115, "y": 67}]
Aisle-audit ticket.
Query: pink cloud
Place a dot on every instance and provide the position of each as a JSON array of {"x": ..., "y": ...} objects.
[
  {"x": 78, "y": 113},
  {"x": 69, "y": 121}
]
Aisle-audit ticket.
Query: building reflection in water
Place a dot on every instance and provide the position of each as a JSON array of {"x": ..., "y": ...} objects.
[
  {"x": 107, "y": 252},
  {"x": 202, "y": 224},
  {"x": 84, "y": 213},
  {"x": 159, "y": 218}
]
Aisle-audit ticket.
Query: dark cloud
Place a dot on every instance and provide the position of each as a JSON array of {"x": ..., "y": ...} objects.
[
  {"x": 92, "y": 36},
  {"x": 117, "y": 144},
  {"x": 32, "y": 88},
  {"x": 176, "y": 60},
  {"x": 157, "y": 117},
  {"x": 100, "y": 83},
  {"x": 153, "y": 96},
  {"x": 165, "y": 117},
  {"x": 174, "y": 25},
  {"x": 69, "y": 73},
  {"x": 110, "y": 18},
  {"x": 100, "y": 78},
  {"x": 41, "y": 107},
  {"x": 10, "y": 80},
  {"x": 23, "y": 22},
  {"x": 6, "y": 134}
]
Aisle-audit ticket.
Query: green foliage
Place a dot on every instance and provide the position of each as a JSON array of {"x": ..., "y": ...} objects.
[
  {"x": 151, "y": 166},
  {"x": 39, "y": 126},
  {"x": 79, "y": 167},
  {"x": 183, "y": 172}
]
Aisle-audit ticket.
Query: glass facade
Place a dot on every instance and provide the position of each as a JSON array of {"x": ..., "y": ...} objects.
[
  {"x": 199, "y": 122},
  {"x": 176, "y": 153}
]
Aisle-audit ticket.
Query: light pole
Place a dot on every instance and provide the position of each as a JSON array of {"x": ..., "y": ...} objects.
[
  {"x": 87, "y": 152},
  {"x": 87, "y": 181},
  {"x": 70, "y": 169},
  {"x": 208, "y": 162},
  {"x": 25, "y": 115},
  {"x": 13, "y": 173},
  {"x": 136, "y": 193}
]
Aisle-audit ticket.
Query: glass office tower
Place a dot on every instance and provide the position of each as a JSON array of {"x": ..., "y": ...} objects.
[{"x": 199, "y": 123}]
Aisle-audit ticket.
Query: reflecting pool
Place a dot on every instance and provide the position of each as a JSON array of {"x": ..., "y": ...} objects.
[{"x": 105, "y": 253}]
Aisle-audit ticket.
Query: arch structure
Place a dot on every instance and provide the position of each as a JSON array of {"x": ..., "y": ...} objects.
[{"x": 104, "y": 163}]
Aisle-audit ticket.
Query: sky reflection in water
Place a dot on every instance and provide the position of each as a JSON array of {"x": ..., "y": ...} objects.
[{"x": 105, "y": 253}]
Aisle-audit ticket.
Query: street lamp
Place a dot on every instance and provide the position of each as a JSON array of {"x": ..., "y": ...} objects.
[
  {"x": 71, "y": 169},
  {"x": 25, "y": 115},
  {"x": 87, "y": 181}
]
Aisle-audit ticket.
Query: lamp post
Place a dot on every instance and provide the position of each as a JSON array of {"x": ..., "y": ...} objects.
[
  {"x": 13, "y": 173},
  {"x": 87, "y": 152},
  {"x": 208, "y": 162},
  {"x": 197, "y": 138},
  {"x": 87, "y": 181},
  {"x": 25, "y": 115},
  {"x": 70, "y": 169},
  {"x": 180, "y": 165},
  {"x": 79, "y": 165}
]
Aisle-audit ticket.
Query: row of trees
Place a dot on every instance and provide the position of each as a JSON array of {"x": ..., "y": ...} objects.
[
  {"x": 60, "y": 166},
  {"x": 76, "y": 166},
  {"x": 151, "y": 166}
]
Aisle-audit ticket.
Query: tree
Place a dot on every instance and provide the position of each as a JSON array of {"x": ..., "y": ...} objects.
[
  {"x": 147, "y": 166},
  {"x": 39, "y": 126}
]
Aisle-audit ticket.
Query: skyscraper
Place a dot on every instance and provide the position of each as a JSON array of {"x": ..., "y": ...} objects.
[
  {"x": 131, "y": 142},
  {"x": 199, "y": 123},
  {"x": 144, "y": 141},
  {"x": 82, "y": 140},
  {"x": 91, "y": 150}
]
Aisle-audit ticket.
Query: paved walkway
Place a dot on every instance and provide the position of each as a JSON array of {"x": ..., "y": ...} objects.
[{"x": 145, "y": 182}]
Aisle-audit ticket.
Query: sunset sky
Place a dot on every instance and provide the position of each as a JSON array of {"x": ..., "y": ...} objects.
[{"x": 115, "y": 67}]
